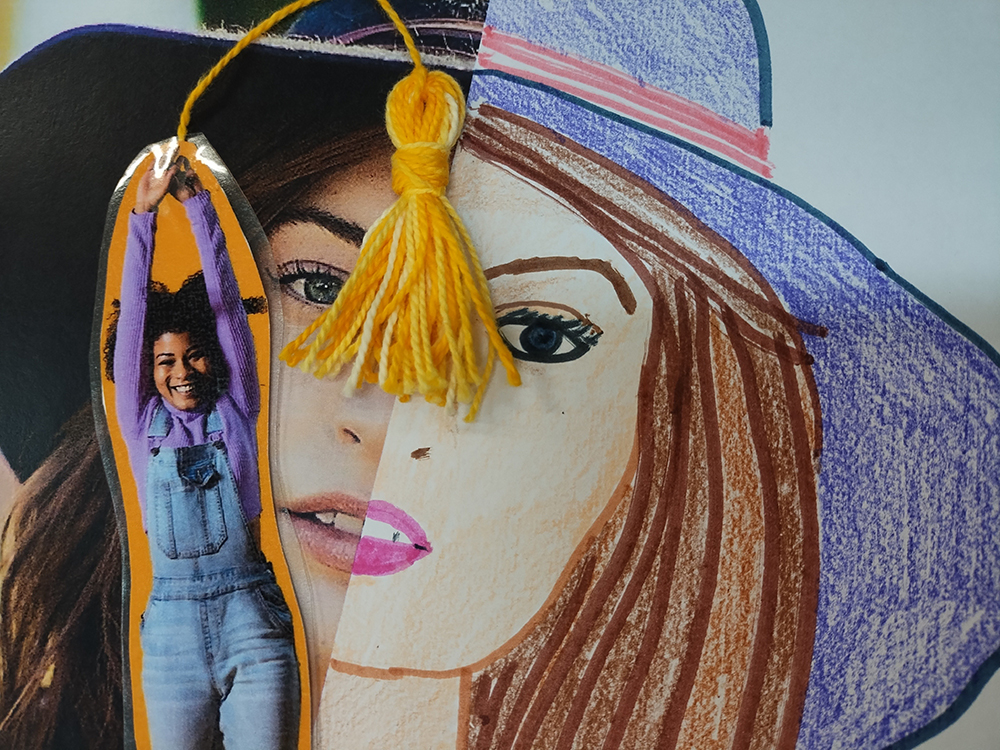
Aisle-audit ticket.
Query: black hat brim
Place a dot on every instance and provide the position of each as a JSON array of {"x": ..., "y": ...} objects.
[{"x": 74, "y": 112}]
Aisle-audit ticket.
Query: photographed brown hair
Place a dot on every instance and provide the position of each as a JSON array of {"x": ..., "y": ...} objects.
[
  {"x": 61, "y": 603},
  {"x": 688, "y": 619}
]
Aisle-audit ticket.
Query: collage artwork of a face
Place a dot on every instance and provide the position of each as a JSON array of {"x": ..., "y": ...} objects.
[{"x": 744, "y": 496}]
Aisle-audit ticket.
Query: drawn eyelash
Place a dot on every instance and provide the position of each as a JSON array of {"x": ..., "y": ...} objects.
[{"x": 534, "y": 336}]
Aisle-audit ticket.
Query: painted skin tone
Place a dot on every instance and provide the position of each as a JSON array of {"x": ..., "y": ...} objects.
[{"x": 505, "y": 516}]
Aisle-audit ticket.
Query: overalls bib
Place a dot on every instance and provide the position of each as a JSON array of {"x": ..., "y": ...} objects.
[{"x": 218, "y": 650}]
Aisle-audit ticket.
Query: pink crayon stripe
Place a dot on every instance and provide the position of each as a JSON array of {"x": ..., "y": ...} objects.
[{"x": 623, "y": 94}]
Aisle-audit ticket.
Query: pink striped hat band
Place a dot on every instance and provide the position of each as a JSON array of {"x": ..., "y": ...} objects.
[{"x": 626, "y": 96}]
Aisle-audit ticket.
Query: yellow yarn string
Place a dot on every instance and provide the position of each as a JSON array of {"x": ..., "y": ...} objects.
[
  {"x": 249, "y": 38},
  {"x": 404, "y": 316}
]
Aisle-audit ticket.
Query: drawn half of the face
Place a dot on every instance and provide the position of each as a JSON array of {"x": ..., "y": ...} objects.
[{"x": 503, "y": 506}]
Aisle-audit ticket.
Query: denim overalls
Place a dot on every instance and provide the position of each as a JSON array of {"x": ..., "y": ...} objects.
[{"x": 218, "y": 651}]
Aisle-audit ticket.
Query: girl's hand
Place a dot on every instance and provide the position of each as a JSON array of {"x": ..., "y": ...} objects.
[
  {"x": 186, "y": 183},
  {"x": 152, "y": 189}
]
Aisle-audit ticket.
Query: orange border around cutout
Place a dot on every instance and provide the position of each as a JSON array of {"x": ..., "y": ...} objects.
[{"x": 171, "y": 269}]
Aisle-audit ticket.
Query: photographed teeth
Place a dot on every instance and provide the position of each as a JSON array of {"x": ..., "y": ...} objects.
[
  {"x": 380, "y": 530},
  {"x": 183, "y": 388},
  {"x": 341, "y": 521}
]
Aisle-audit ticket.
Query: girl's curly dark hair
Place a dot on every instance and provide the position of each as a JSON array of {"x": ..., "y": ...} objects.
[{"x": 187, "y": 310}]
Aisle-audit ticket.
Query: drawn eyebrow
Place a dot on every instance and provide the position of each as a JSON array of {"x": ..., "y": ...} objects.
[
  {"x": 568, "y": 263},
  {"x": 335, "y": 225}
]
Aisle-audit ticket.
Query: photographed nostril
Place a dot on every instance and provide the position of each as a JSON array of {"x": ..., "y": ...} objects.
[{"x": 349, "y": 436}]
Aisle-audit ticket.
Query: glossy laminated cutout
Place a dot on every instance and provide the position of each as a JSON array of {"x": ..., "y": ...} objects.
[{"x": 175, "y": 258}]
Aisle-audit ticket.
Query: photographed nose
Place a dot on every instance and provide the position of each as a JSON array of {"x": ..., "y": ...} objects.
[{"x": 360, "y": 422}]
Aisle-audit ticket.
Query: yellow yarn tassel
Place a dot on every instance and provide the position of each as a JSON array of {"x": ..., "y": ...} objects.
[{"x": 405, "y": 314}]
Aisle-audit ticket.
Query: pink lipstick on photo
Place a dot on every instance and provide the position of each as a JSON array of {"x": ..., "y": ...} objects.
[{"x": 391, "y": 541}]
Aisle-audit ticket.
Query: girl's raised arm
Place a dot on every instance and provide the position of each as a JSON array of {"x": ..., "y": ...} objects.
[
  {"x": 224, "y": 295},
  {"x": 132, "y": 373}
]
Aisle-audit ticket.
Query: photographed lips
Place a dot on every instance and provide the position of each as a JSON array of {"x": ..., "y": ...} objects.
[
  {"x": 392, "y": 541},
  {"x": 329, "y": 527}
]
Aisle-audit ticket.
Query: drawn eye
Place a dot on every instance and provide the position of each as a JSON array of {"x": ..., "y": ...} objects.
[
  {"x": 312, "y": 282},
  {"x": 535, "y": 336}
]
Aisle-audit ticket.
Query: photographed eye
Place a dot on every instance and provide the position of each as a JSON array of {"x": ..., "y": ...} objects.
[
  {"x": 535, "y": 336},
  {"x": 312, "y": 282}
]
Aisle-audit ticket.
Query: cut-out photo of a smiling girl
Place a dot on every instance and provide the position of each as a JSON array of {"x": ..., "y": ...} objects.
[{"x": 216, "y": 639}]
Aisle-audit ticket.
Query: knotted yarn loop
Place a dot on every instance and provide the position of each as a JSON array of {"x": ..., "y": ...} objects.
[
  {"x": 405, "y": 317},
  {"x": 427, "y": 106},
  {"x": 420, "y": 168}
]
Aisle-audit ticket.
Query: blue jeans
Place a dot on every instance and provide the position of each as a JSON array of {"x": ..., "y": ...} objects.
[
  {"x": 218, "y": 651},
  {"x": 207, "y": 664}
]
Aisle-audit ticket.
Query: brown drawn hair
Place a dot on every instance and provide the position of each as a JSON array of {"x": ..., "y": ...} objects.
[{"x": 688, "y": 619}]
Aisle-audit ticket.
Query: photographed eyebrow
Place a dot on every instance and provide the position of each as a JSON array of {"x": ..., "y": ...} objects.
[
  {"x": 560, "y": 263},
  {"x": 342, "y": 228}
]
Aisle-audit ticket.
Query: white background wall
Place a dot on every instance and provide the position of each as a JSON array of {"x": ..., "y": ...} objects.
[
  {"x": 34, "y": 21},
  {"x": 886, "y": 118}
]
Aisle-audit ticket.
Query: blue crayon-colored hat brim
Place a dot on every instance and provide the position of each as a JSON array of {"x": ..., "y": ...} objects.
[{"x": 909, "y": 489}]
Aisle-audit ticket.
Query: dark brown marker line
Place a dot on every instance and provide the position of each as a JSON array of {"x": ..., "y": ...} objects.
[
  {"x": 676, "y": 486},
  {"x": 637, "y": 581},
  {"x": 548, "y": 650},
  {"x": 623, "y": 549},
  {"x": 465, "y": 700},
  {"x": 561, "y": 263},
  {"x": 480, "y": 697},
  {"x": 764, "y": 636},
  {"x": 698, "y": 632},
  {"x": 488, "y": 711},
  {"x": 809, "y": 596}
]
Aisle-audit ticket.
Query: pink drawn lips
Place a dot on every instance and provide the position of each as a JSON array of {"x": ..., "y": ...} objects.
[{"x": 383, "y": 557}]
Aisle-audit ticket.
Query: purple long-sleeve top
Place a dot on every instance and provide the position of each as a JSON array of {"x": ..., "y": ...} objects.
[{"x": 136, "y": 396}]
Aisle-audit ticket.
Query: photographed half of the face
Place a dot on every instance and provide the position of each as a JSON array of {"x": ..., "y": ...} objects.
[{"x": 326, "y": 447}]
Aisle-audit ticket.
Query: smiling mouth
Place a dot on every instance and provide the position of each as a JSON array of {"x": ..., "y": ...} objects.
[
  {"x": 329, "y": 527},
  {"x": 374, "y": 538}
]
